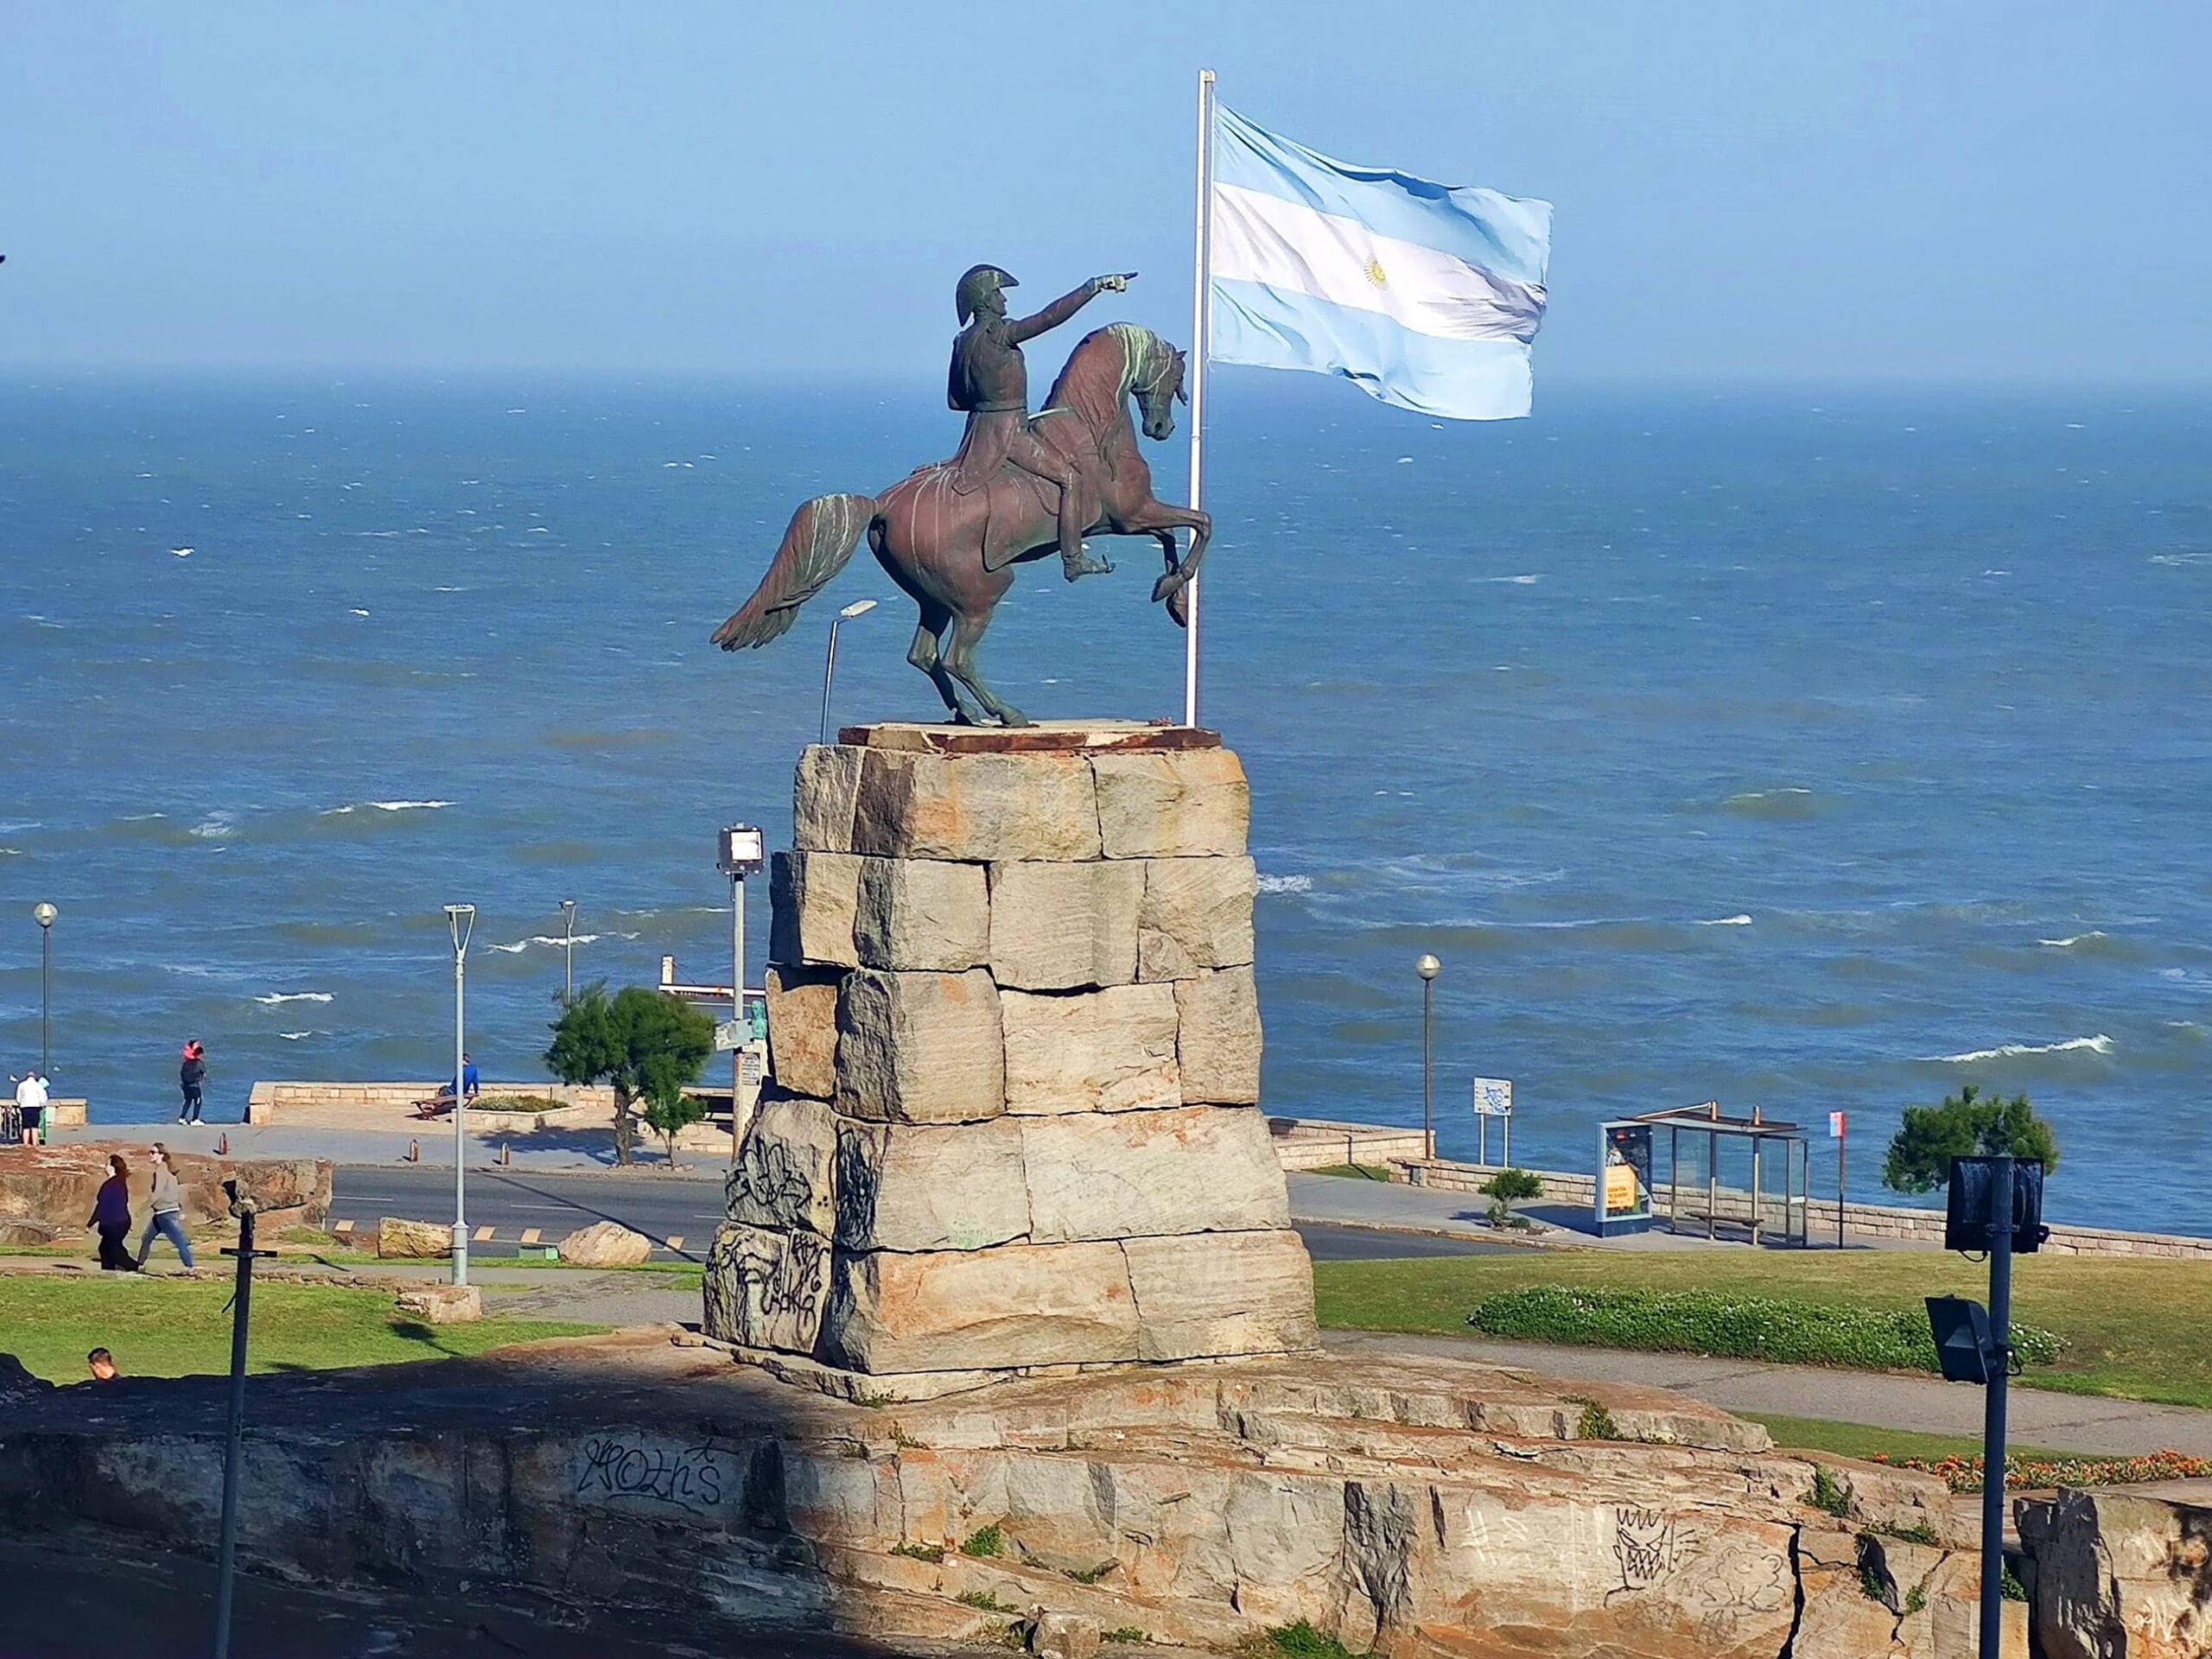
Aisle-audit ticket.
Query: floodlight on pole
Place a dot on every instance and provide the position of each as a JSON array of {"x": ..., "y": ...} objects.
[
  {"x": 741, "y": 851},
  {"x": 1429, "y": 968},
  {"x": 460, "y": 922},
  {"x": 858, "y": 607},
  {"x": 45, "y": 915}
]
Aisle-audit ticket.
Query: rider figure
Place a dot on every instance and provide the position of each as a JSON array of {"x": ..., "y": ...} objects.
[{"x": 989, "y": 381}]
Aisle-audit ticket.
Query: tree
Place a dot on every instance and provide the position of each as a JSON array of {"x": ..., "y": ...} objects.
[
  {"x": 1964, "y": 1126},
  {"x": 650, "y": 1048},
  {"x": 1508, "y": 1187}
]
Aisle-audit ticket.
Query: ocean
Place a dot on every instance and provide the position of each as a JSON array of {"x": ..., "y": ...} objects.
[{"x": 1808, "y": 750}]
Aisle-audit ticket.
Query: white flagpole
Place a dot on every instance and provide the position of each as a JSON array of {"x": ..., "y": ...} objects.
[{"x": 1201, "y": 343}]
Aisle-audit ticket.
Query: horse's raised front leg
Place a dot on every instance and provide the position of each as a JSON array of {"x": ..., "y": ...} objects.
[
  {"x": 1157, "y": 519},
  {"x": 960, "y": 662},
  {"x": 926, "y": 653}
]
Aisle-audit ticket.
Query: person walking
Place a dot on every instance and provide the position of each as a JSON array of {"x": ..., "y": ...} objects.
[
  {"x": 192, "y": 1078},
  {"x": 112, "y": 1217},
  {"x": 165, "y": 1208},
  {"x": 30, "y": 1106}
]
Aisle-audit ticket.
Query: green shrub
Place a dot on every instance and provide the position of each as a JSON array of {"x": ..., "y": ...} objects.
[
  {"x": 1302, "y": 1640},
  {"x": 982, "y": 1601},
  {"x": 1964, "y": 1126},
  {"x": 1828, "y": 1495},
  {"x": 986, "y": 1545},
  {"x": 1735, "y": 1327},
  {"x": 2009, "y": 1587},
  {"x": 1596, "y": 1423},
  {"x": 1507, "y": 1188},
  {"x": 1125, "y": 1633},
  {"x": 919, "y": 1552}
]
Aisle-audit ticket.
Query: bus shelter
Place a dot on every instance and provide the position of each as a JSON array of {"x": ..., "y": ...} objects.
[{"x": 1634, "y": 1141}]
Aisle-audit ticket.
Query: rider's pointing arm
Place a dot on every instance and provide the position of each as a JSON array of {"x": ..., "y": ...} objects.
[{"x": 1025, "y": 328}]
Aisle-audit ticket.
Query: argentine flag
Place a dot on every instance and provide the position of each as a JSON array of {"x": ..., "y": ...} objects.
[{"x": 1421, "y": 294}]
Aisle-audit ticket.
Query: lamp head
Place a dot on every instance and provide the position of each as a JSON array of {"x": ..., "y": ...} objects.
[
  {"x": 741, "y": 851},
  {"x": 1428, "y": 967},
  {"x": 858, "y": 607},
  {"x": 44, "y": 914},
  {"x": 460, "y": 922}
]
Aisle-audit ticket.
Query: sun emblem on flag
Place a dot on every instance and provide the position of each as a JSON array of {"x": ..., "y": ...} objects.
[{"x": 1376, "y": 275}]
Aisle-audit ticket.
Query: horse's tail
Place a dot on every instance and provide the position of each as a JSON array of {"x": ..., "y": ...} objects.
[{"x": 822, "y": 536}]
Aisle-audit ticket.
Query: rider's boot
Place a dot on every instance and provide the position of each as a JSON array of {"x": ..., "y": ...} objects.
[{"x": 1075, "y": 557}]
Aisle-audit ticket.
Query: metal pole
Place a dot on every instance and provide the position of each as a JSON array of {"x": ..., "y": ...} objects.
[
  {"x": 830, "y": 673},
  {"x": 1428, "y": 1068},
  {"x": 1842, "y": 1143},
  {"x": 46, "y": 1001},
  {"x": 226, "y": 1557},
  {"x": 1992, "y": 1430},
  {"x": 1509, "y": 1140},
  {"x": 568, "y": 950},
  {"x": 1482, "y": 1141},
  {"x": 1201, "y": 346},
  {"x": 737, "y": 980},
  {"x": 1754, "y": 1190},
  {"x": 1711, "y": 1183},
  {"x": 459, "y": 1117}
]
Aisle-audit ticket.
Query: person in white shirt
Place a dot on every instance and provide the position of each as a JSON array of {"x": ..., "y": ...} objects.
[{"x": 30, "y": 1101}]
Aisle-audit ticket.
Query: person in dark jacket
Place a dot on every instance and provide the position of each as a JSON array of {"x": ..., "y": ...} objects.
[
  {"x": 192, "y": 1078},
  {"x": 112, "y": 1215}
]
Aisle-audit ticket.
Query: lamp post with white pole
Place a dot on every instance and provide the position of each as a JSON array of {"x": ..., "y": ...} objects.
[
  {"x": 44, "y": 915},
  {"x": 568, "y": 951},
  {"x": 460, "y": 922},
  {"x": 858, "y": 607},
  {"x": 1429, "y": 968},
  {"x": 742, "y": 851}
]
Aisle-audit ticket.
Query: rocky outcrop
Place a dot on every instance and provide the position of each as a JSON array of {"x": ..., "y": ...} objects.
[
  {"x": 50, "y": 1189},
  {"x": 2122, "y": 1571},
  {"x": 1015, "y": 1045},
  {"x": 442, "y": 1304},
  {"x": 1409, "y": 1509}
]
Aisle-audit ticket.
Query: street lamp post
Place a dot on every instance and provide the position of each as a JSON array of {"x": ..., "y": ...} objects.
[
  {"x": 1429, "y": 968},
  {"x": 44, "y": 914},
  {"x": 568, "y": 950},
  {"x": 460, "y": 922},
  {"x": 741, "y": 852},
  {"x": 858, "y": 607}
]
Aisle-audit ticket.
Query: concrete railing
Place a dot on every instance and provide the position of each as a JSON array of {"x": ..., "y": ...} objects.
[{"x": 1314, "y": 1143}]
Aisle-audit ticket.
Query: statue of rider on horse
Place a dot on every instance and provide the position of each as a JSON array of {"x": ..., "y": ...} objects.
[
  {"x": 1020, "y": 488},
  {"x": 989, "y": 381}
]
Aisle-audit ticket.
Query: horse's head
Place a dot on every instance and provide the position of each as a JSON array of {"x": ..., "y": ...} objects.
[{"x": 1157, "y": 380}]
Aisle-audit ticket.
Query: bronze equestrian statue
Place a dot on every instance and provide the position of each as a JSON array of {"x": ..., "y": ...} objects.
[
  {"x": 951, "y": 534},
  {"x": 989, "y": 382}
]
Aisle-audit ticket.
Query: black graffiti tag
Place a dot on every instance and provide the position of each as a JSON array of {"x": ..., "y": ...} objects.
[{"x": 691, "y": 1478}]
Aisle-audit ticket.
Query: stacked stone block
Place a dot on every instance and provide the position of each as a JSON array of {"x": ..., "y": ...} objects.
[{"x": 1012, "y": 1116}]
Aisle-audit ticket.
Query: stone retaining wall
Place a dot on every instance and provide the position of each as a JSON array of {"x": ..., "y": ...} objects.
[
  {"x": 1011, "y": 1116},
  {"x": 1863, "y": 1222}
]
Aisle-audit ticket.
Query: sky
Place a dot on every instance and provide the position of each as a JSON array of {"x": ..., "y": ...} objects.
[{"x": 1953, "y": 192}]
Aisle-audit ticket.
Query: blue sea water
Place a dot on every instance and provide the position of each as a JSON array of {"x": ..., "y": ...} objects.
[{"x": 1808, "y": 750}]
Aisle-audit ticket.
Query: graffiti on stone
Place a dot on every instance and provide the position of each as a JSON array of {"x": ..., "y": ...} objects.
[
  {"x": 769, "y": 1185},
  {"x": 635, "y": 1472}
]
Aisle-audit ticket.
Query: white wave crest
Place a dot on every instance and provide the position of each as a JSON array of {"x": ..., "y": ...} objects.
[
  {"x": 1726, "y": 921},
  {"x": 293, "y": 1036},
  {"x": 273, "y": 998},
  {"x": 385, "y": 806},
  {"x": 2099, "y": 1044},
  {"x": 214, "y": 828},
  {"x": 1517, "y": 581},
  {"x": 1286, "y": 884},
  {"x": 554, "y": 941},
  {"x": 2071, "y": 940}
]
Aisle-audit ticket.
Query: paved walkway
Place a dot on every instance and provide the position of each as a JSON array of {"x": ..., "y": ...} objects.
[
  {"x": 2061, "y": 1422},
  {"x": 542, "y": 1150}
]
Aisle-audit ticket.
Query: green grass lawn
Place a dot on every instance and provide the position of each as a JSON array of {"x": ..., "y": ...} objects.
[
  {"x": 2134, "y": 1329},
  {"x": 1858, "y": 1440},
  {"x": 166, "y": 1326}
]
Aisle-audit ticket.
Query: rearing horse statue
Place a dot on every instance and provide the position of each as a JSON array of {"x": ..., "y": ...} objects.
[{"x": 954, "y": 555}]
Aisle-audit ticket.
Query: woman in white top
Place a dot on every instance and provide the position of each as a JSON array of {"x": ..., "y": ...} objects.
[{"x": 166, "y": 1211}]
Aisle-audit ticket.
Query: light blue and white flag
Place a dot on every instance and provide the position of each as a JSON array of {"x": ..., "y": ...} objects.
[{"x": 1421, "y": 294}]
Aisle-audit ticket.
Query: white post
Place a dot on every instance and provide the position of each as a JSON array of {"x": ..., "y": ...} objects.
[
  {"x": 463, "y": 920},
  {"x": 1201, "y": 345}
]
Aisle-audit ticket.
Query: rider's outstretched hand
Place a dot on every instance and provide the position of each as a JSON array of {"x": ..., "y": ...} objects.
[{"x": 1117, "y": 284}]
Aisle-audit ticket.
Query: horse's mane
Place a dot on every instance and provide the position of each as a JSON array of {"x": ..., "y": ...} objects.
[{"x": 1133, "y": 345}]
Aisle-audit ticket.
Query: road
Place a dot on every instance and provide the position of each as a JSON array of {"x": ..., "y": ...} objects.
[{"x": 685, "y": 1210}]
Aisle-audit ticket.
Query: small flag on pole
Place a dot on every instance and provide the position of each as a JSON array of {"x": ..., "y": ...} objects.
[
  {"x": 1423, "y": 294},
  {"x": 1835, "y": 1125}
]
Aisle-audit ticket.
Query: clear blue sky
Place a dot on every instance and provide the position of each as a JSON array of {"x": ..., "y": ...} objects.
[{"x": 1949, "y": 191}]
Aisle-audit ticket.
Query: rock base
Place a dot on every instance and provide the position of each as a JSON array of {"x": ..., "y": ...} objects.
[{"x": 1413, "y": 1508}]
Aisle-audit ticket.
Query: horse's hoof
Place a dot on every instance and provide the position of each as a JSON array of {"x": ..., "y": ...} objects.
[
  {"x": 1169, "y": 584},
  {"x": 1179, "y": 608},
  {"x": 1014, "y": 717}
]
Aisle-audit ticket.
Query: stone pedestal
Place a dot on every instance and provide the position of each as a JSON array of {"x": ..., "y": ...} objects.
[{"x": 1012, "y": 1115}]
